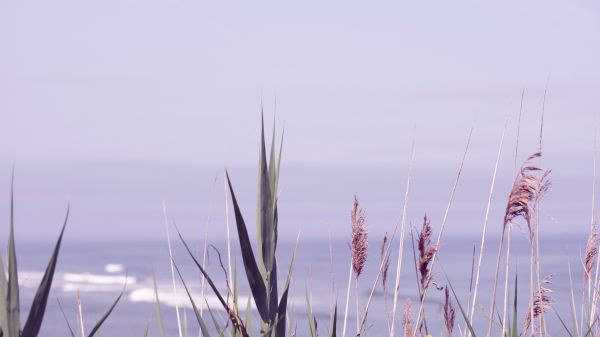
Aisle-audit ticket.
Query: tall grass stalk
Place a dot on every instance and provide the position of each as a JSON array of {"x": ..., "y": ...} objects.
[
  {"x": 442, "y": 226},
  {"x": 509, "y": 229},
  {"x": 485, "y": 223},
  {"x": 205, "y": 248},
  {"x": 593, "y": 220},
  {"x": 166, "y": 220},
  {"x": 347, "y": 300},
  {"x": 401, "y": 240}
]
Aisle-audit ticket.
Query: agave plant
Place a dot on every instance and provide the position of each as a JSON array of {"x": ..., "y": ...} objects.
[
  {"x": 10, "y": 320},
  {"x": 261, "y": 273}
]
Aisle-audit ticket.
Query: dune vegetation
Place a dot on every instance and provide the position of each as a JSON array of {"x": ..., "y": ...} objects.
[{"x": 266, "y": 312}]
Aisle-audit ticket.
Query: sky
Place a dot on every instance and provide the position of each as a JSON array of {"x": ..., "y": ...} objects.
[{"x": 119, "y": 105}]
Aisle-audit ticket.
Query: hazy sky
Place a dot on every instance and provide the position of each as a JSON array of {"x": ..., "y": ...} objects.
[{"x": 121, "y": 103}]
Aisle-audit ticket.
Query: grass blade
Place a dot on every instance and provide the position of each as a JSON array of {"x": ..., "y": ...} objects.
[
  {"x": 203, "y": 327},
  {"x": 65, "y": 317},
  {"x": 159, "y": 316},
  {"x": 462, "y": 311},
  {"x": 96, "y": 327},
  {"x": 12, "y": 310}
]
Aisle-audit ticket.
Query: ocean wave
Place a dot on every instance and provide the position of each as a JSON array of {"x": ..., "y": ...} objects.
[
  {"x": 98, "y": 279},
  {"x": 146, "y": 295}
]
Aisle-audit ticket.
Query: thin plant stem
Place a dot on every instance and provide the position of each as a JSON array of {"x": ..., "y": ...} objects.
[
  {"x": 347, "y": 300},
  {"x": 485, "y": 223},
  {"x": 402, "y": 233},
  {"x": 443, "y": 225},
  {"x": 164, "y": 204}
]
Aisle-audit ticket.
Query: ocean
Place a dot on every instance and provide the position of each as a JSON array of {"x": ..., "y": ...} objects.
[{"x": 98, "y": 270}]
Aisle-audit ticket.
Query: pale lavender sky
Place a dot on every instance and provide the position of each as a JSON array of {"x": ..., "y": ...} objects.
[{"x": 121, "y": 103}]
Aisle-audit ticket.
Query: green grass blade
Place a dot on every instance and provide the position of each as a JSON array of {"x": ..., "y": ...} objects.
[
  {"x": 255, "y": 280},
  {"x": 3, "y": 294},
  {"x": 145, "y": 332},
  {"x": 282, "y": 308},
  {"x": 62, "y": 311},
  {"x": 462, "y": 311},
  {"x": 38, "y": 307},
  {"x": 220, "y": 330},
  {"x": 514, "y": 323},
  {"x": 102, "y": 319},
  {"x": 13, "y": 311},
  {"x": 562, "y": 322},
  {"x": 311, "y": 318},
  {"x": 159, "y": 316},
  {"x": 333, "y": 323},
  {"x": 203, "y": 326},
  {"x": 265, "y": 208}
]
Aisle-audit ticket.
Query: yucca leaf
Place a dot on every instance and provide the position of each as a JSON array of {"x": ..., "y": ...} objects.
[
  {"x": 13, "y": 326},
  {"x": 265, "y": 208},
  {"x": 257, "y": 285},
  {"x": 282, "y": 308},
  {"x": 232, "y": 316},
  {"x": 203, "y": 327},
  {"x": 3, "y": 294},
  {"x": 102, "y": 319},
  {"x": 38, "y": 307},
  {"x": 159, "y": 316}
]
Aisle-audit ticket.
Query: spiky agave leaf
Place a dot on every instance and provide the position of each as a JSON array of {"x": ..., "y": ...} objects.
[
  {"x": 257, "y": 286},
  {"x": 237, "y": 323},
  {"x": 13, "y": 326},
  {"x": 38, "y": 307}
]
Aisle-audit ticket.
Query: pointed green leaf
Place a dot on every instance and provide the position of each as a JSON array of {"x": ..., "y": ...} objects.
[
  {"x": 65, "y": 317},
  {"x": 12, "y": 310},
  {"x": 96, "y": 327},
  {"x": 159, "y": 316},
  {"x": 257, "y": 286},
  {"x": 38, "y": 307},
  {"x": 203, "y": 327},
  {"x": 462, "y": 311}
]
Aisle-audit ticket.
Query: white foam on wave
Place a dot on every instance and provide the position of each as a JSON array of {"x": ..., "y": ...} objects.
[
  {"x": 114, "y": 268},
  {"x": 146, "y": 295},
  {"x": 88, "y": 278}
]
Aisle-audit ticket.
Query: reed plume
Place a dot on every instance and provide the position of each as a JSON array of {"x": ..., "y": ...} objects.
[
  {"x": 359, "y": 238},
  {"x": 541, "y": 302},
  {"x": 449, "y": 312},
  {"x": 426, "y": 252},
  {"x": 359, "y": 249},
  {"x": 591, "y": 251},
  {"x": 385, "y": 260},
  {"x": 528, "y": 190}
]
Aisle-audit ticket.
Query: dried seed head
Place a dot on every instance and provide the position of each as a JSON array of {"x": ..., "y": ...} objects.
[
  {"x": 359, "y": 245},
  {"x": 591, "y": 251},
  {"x": 426, "y": 252},
  {"x": 527, "y": 190},
  {"x": 449, "y": 312},
  {"x": 541, "y": 301},
  {"x": 385, "y": 260}
]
